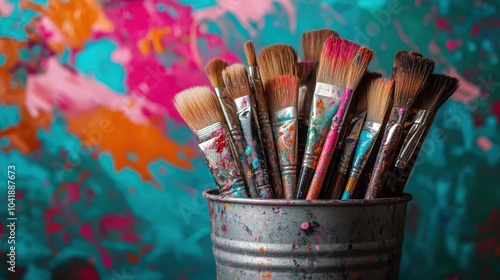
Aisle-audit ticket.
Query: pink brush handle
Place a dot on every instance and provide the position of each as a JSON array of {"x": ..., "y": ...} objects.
[{"x": 330, "y": 143}]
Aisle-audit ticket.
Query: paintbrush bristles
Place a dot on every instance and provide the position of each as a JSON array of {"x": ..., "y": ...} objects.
[
  {"x": 437, "y": 90},
  {"x": 277, "y": 60},
  {"x": 250, "y": 53},
  {"x": 198, "y": 106},
  {"x": 282, "y": 92},
  {"x": 410, "y": 77},
  {"x": 358, "y": 67},
  {"x": 379, "y": 98},
  {"x": 336, "y": 58},
  {"x": 313, "y": 41},
  {"x": 362, "y": 90},
  {"x": 236, "y": 80},
  {"x": 214, "y": 69},
  {"x": 305, "y": 70}
]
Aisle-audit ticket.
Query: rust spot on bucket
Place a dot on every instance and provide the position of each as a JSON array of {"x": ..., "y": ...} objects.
[{"x": 262, "y": 250}]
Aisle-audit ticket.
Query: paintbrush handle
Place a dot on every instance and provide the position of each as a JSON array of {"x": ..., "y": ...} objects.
[
  {"x": 285, "y": 135},
  {"x": 267, "y": 137},
  {"x": 253, "y": 148},
  {"x": 349, "y": 189},
  {"x": 386, "y": 153},
  {"x": 330, "y": 144}
]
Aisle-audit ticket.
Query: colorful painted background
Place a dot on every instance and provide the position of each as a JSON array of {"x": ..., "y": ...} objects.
[{"x": 109, "y": 178}]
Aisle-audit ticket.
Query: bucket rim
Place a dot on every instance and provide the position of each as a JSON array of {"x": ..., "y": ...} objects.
[{"x": 212, "y": 195}]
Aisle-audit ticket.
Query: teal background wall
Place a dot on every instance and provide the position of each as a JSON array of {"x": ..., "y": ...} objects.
[{"x": 109, "y": 178}]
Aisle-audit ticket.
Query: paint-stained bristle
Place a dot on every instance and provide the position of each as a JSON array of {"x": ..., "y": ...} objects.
[
  {"x": 335, "y": 60},
  {"x": 198, "y": 106},
  {"x": 277, "y": 60},
  {"x": 358, "y": 67},
  {"x": 437, "y": 90},
  {"x": 362, "y": 90},
  {"x": 250, "y": 53},
  {"x": 236, "y": 79},
  {"x": 379, "y": 98},
  {"x": 305, "y": 70},
  {"x": 214, "y": 69},
  {"x": 282, "y": 92},
  {"x": 410, "y": 77},
  {"x": 313, "y": 41}
]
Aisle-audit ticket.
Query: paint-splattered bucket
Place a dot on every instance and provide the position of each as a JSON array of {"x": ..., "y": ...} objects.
[{"x": 299, "y": 239}]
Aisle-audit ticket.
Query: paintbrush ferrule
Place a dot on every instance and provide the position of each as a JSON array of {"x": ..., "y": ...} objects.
[
  {"x": 366, "y": 141},
  {"x": 350, "y": 142},
  {"x": 253, "y": 73},
  {"x": 285, "y": 135},
  {"x": 245, "y": 110},
  {"x": 420, "y": 121},
  {"x": 229, "y": 110},
  {"x": 215, "y": 144},
  {"x": 326, "y": 101},
  {"x": 266, "y": 134}
]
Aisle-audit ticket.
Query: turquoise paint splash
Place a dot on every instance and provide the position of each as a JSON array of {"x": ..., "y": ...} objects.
[
  {"x": 96, "y": 59},
  {"x": 9, "y": 116},
  {"x": 363, "y": 149}
]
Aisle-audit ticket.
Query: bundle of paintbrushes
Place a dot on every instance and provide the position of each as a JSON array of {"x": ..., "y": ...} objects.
[{"x": 323, "y": 128}]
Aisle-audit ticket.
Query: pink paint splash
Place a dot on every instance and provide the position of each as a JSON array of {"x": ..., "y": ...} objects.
[
  {"x": 467, "y": 91},
  {"x": 452, "y": 45},
  {"x": 121, "y": 56},
  {"x": 304, "y": 226},
  {"x": 6, "y": 8},
  {"x": 72, "y": 92},
  {"x": 247, "y": 12},
  {"x": 484, "y": 143},
  {"x": 403, "y": 36}
]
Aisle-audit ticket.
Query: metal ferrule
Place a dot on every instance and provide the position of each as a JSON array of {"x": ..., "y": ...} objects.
[
  {"x": 267, "y": 138},
  {"x": 366, "y": 141},
  {"x": 325, "y": 104},
  {"x": 350, "y": 142},
  {"x": 245, "y": 110},
  {"x": 387, "y": 152},
  {"x": 229, "y": 110},
  {"x": 253, "y": 73},
  {"x": 420, "y": 121},
  {"x": 285, "y": 135},
  {"x": 215, "y": 144}
]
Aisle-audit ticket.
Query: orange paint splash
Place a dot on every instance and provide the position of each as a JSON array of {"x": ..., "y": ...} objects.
[
  {"x": 267, "y": 275},
  {"x": 23, "y": 136},
  {"x": 153, "y": 37},
  {"x": 111, "y": 131},
  {"x": 76, "y": 20}
]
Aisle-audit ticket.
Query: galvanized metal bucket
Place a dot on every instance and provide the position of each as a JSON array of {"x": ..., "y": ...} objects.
[{"x": 300, "y": 239}]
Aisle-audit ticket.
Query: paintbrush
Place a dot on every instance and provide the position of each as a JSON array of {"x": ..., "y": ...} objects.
[
  {"x": 199, "y": 108},
  {"x": 237, "y": 85},
  {"x": 410, "y": 77},
  {"x": 356, "y": 62},
  {"x": 313, "y": 41},
  {"x": 330, "y": 85},
  {"x": 332, "y": 182},
  {"x": 306, "y": 72},
  {"x": 438, "y": 89},
  {"x": 397, "y": 59},
  {"x": 266, "y": 131},
  {"x": 277, "y": 60},
  {"x": 312, "y": 45},
  {"x": 345, "y": 153},
  {"x": 282, "y": 94},
  {"x": 213, "y": 70},
  {"x": 379, "y": 98}
]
